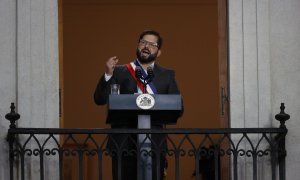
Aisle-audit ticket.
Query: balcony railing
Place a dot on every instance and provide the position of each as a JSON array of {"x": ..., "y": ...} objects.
[{"x": 201, "y": 154}]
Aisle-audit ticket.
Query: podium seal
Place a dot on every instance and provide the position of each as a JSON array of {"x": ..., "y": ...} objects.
[{"x": 145, "y": 101}]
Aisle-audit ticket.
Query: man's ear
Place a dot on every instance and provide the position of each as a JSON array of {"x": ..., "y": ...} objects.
[{"x": 158, "y": 53}]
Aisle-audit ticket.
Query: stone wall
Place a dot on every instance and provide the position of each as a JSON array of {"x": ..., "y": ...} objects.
[
  {"x": 29, "y": 74},
  {"x": 264, "y": 45}
]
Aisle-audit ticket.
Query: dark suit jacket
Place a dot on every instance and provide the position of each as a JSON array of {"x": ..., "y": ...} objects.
[{"x": 164, "y": 81}]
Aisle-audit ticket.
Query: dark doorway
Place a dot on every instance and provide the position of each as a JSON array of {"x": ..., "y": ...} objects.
[{"x": 195, "y": 47}]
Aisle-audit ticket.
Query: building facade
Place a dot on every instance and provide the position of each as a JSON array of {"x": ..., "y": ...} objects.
[{"x": 264, "y": 68}]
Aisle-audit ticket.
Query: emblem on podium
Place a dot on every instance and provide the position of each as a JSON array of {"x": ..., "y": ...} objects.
[{"x": 145, "y": 101}]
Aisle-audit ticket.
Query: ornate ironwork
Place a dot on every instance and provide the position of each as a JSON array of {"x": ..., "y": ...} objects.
[{"x": 209, "y": 148}]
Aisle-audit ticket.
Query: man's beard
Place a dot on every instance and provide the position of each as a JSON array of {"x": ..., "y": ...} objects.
[{"x": 143, "y": 59}]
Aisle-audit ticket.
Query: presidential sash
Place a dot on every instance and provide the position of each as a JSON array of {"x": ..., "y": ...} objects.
[{"x": 150, "y": 88}]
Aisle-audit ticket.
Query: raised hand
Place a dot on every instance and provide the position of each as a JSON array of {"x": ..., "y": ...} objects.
[{"x": 110, "y": 65}]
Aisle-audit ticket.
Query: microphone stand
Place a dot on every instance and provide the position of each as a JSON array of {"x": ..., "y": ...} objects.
[
  {"x": 145, "y": 86},
  {"x": 145, "y": 80}
]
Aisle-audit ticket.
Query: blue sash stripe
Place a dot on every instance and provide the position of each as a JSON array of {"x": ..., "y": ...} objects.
[{"x": 144, "y": 74}]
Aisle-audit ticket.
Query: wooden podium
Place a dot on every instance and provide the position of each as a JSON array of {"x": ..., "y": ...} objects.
[{"x": 124, "y": 108}]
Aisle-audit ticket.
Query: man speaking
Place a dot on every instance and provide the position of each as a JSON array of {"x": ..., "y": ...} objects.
[{"x": 162, "y": 81}]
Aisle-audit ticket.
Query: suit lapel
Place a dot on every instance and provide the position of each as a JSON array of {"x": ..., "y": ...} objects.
[{"x": 157, "y": 80}]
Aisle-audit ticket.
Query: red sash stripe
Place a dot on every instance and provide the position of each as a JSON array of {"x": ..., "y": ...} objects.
[{"x": 132, "y": 72}]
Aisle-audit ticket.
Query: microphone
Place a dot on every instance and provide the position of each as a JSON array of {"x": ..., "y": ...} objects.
[
  {"x": 139, "y": 76},
  {"x": 138, "y": 72},
  {"x": 150, "y": 74}
]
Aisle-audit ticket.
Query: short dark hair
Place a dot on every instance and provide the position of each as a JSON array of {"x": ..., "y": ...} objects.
[{"x": 155, "y": 33}]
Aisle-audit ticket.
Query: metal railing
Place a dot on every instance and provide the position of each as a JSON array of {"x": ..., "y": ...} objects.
[{"x": 217, "y": 153}]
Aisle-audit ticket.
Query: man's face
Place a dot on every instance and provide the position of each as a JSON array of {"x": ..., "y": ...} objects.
[{"x": 147, "y": 49}]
